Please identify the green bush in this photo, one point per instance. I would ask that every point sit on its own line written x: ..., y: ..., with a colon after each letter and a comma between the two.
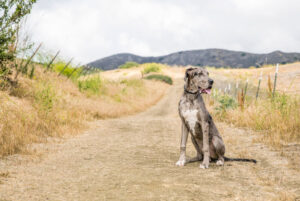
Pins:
x: 226, y: 102
x: 162, y: 78
x: 129, y: 64
x: 91, y: 85
x: 11, y: 14
x: 58, y: 67
x: 45, y: 96
x: 151, y: 67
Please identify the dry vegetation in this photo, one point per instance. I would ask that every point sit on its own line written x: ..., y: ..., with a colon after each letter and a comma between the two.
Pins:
x: 288, y: 76
x: 276, y: 118
x: 48, y: 105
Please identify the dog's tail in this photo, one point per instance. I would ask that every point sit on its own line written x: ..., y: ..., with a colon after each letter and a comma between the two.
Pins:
x: 240, y: 159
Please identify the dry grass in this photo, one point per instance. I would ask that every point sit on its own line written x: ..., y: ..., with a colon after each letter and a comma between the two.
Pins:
x: 49, y: 106
x: 288, y: 76
x: 279, y: 122
x: 276, y: 118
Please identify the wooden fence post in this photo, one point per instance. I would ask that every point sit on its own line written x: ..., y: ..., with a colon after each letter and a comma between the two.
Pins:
x: 88, y: 68
x: 28, y: 61
x: 83, y: 69
x: 52, y: 60
x: 236, y: 89
x: 245, y: 91
x: 34, y: 53
x: 275, y: 80
x: 74, y: 70
x: 65, y: 67
x: 259, y: 81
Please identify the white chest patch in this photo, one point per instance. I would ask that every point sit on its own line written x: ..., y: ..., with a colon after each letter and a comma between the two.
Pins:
x: 190, y: 117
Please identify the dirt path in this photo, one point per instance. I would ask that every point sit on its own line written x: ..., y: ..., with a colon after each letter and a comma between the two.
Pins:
x: 133, y: 158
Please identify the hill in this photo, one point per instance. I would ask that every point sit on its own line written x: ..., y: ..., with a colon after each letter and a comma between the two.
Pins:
x: 206, y: 57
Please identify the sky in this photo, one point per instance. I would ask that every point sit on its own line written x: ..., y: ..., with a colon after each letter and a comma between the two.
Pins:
x: 92, y: 29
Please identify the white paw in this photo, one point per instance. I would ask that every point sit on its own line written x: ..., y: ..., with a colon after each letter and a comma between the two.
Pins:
x: 220, y: 162
x: 204, y: 166
x: 181, y: 162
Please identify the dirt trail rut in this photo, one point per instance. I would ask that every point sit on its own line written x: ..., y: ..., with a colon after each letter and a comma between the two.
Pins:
x: 133, y: 158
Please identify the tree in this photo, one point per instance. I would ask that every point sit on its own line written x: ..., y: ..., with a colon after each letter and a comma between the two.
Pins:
x: 11, y: 14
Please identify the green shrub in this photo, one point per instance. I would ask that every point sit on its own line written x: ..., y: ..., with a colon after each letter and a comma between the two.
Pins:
x: 129, y: 64
x: 11, y: 14
x: 225, y: 102
x: 45, y: 96
x: 58, y: 67
x: 162, y: 78
x: 151, y: 67
x: 91, y: 85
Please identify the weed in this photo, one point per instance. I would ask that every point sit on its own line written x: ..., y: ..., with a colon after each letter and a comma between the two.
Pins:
x: 162, y: 78
x: 226, y: 102
x: 129, y: 64
x: 58, y: 67
x: 45, y: 96
x: 151, y: 67
x: 91, y: 85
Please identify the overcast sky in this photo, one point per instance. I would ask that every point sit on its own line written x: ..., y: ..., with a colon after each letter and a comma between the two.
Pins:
x: 92, y: 29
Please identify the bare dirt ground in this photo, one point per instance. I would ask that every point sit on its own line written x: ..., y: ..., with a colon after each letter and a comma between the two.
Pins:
x: 133, y: 158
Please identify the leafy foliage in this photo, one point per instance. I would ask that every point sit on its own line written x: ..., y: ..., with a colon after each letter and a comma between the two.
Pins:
x: 11, y: 13
x: 91, y: 85
x: 151, y: 67
x: 225, y: 102
x: 162, y: 78
x: 58, y: 67
x: 129, y: 64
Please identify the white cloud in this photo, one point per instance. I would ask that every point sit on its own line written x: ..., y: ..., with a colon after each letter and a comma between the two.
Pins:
x: 91, y: 29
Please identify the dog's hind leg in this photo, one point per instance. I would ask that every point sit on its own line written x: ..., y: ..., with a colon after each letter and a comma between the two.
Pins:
x: 219, y: 149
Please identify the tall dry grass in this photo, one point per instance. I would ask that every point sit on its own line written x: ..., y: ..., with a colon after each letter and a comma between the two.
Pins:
x: 277, y: 119
x: 48, y: 106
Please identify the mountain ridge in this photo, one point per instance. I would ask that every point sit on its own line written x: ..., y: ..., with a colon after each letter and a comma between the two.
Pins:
x: 204, y: 57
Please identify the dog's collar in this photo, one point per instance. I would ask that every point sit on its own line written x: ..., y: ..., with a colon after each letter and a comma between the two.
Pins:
x: 189, y: 92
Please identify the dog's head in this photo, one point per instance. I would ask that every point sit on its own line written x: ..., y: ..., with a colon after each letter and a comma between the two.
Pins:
x: 197, y: 79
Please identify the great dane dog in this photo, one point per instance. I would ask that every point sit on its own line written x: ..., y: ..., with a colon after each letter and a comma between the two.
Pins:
x: 197, y: 121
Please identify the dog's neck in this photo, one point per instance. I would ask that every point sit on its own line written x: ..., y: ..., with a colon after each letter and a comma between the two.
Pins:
x: 191, y: 94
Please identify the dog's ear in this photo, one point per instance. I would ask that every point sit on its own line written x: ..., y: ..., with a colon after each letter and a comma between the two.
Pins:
x: 188, y: 73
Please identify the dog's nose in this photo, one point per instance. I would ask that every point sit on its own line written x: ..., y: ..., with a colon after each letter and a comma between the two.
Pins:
x: 210, y: 81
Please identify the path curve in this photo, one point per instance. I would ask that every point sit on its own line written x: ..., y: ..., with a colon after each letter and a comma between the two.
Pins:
x: 133, y: 158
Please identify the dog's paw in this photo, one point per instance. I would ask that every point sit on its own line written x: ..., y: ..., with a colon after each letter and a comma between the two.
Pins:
x: 220, y: 162
x: 204, y: 166
x: 180, y: 163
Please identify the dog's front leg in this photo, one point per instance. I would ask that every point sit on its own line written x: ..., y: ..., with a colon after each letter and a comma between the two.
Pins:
x: 184, y: 137
x: 206, y: 155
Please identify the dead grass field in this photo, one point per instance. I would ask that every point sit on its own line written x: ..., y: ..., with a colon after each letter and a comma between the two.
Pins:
x: 288, y: 76
x: 133, y: 158
x: 276, y: 119
x: 50, y: 106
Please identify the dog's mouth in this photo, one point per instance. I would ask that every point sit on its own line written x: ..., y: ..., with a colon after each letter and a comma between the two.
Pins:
x: 205, y: 91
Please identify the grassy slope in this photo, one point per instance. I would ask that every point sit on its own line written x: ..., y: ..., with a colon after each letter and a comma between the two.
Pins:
x: 49, y: 105
x: 278, y: 119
